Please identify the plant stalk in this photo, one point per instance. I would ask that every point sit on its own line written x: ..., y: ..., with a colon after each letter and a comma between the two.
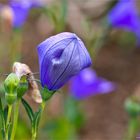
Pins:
x: 15, y: 121
x: 8, y: 121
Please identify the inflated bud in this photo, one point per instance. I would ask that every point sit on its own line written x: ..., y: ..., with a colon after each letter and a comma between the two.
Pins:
x: 61, y: 57
x: 11, y: 84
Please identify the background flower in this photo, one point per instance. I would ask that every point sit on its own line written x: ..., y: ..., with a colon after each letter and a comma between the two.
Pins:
x: 17, y: 11
x: 125, y: 16
x: 20, y: 13
x: 86, y: 84
x: 27, y: 3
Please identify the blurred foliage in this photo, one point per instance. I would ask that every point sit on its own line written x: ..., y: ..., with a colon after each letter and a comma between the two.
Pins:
x: 23, y: 131
x: 57, y: 14
x: 67, y: 125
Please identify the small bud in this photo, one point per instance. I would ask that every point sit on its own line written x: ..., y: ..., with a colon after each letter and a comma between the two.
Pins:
x: 23, y: 87
x: 132, y: 107
x: 10, y: 84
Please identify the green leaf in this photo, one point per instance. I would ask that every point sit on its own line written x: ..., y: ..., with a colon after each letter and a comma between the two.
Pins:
x: 28, y: 110
x: 5, y: 112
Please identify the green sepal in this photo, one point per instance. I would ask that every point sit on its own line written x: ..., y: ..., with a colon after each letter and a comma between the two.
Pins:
x: 28, y: 110
x: 10, y: 97
x: 46, y: 93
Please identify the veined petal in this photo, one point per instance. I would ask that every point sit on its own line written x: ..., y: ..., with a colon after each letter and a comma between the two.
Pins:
x: 60, y: 57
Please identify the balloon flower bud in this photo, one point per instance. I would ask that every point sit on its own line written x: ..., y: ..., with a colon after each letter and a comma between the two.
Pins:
x: 11, y: 84
x: 61, y: 57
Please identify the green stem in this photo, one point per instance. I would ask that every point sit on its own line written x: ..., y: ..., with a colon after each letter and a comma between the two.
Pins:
x: 133, y: 128
x: 35, y: 128
x: 8, y: 121
x: 15, y: 121
x: 33, y: 134
x: 2, y: 118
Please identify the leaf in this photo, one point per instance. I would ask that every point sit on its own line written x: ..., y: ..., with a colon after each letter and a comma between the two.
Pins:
x: 28, y: 110
x: 5, y: 112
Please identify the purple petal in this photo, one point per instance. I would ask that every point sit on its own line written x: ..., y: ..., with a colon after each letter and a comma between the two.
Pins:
x: 87, y: 84
x: 60, y: 57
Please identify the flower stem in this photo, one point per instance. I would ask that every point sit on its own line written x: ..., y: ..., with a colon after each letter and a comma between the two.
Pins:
x: 33, y: 134
x: 133, y: 128
x: 35, y: 129
x: 8, y: 121
x: 2, y: 118
x: 15, y: 121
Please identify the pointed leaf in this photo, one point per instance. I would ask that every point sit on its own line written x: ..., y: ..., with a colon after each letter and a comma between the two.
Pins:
x: 28, y: 110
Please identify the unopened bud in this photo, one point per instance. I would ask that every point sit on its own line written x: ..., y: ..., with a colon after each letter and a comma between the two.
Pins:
x: 23, y: 87
x: 132, y: 107
x: 10, y: 84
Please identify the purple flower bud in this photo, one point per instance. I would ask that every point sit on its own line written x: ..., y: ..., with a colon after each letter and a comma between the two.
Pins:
x: 61, y: 57
x: 125, y: 15
x: 86, y: 84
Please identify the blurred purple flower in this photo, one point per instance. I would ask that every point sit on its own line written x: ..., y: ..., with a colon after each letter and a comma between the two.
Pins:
x: 61, y: 57
x: 28, y: 3
x: 20, y: 9
x: 20, y: 14
x: 125, y: 15
x: 86, y: 84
